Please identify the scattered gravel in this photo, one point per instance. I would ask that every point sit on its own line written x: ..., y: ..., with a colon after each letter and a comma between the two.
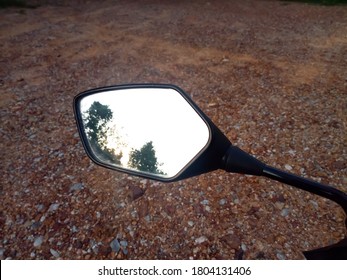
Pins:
x: 271, y: 75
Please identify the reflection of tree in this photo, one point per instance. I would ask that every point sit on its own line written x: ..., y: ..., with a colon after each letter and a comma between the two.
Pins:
x: 145, y: 159
x: 96, y: 119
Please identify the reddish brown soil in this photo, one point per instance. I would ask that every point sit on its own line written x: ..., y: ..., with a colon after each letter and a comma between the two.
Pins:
x: 271, y: 75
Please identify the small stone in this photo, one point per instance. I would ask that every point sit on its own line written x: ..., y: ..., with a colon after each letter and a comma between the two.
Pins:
x: 285, y: 212
x: 279, y: 205
x: 281, y: 256
x: 243, y: 247
x: 288, y: 167
x: 314, y: 204
x: 123, y: 243
x: 190, y: 223
x: 222, y: 201
x: 148, y: 218
x: 200, y: 239
x: 76, y: 187
x: 204, y: 202
x: 38, y: 241
x: 135, y: 192
x: 115, y: 246
x: 54, y: 253
x: 35, y: 225
x: 280, y: 198
x: 53, y: 207
x: 39, y: 207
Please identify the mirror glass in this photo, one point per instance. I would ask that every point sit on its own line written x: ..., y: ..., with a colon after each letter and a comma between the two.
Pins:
x: 153, y: 131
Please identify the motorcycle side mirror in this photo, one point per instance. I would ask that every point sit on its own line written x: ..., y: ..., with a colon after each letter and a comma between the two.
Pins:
x: 154, y: 131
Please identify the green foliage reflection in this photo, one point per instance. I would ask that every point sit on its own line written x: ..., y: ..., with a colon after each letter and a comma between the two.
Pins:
x: 96, y: 120
x: 145, y: 159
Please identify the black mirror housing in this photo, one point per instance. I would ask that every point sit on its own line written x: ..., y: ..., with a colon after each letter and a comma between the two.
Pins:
x: 206, y: 159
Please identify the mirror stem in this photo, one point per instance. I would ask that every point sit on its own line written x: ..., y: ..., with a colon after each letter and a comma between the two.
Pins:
x: 238, y: 161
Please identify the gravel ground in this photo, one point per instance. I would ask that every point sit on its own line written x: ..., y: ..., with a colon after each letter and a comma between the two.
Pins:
x: 272, y: 75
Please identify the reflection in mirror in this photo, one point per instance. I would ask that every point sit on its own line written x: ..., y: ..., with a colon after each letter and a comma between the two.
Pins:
x: 148, y: 130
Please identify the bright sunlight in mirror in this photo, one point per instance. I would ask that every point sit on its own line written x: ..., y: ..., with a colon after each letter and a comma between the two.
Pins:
x: 149, y: 130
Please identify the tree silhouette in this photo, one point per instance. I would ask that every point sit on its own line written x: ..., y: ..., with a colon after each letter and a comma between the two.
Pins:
x: 98, y: 116
x: 145, y: 159
x: 96, y: 119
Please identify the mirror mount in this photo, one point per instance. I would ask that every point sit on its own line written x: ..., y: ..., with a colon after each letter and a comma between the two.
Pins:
x: 237, y: 161
x: 213, y: 157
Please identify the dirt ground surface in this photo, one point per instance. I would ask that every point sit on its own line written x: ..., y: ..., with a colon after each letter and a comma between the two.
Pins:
x: 272, y: 76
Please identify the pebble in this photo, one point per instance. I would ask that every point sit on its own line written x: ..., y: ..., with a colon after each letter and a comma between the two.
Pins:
x: 200, y: 239
x: 38, y: 241
x: 279, y: 205
x: 222, y: 201
x: 76, y: 187
x: 281, y: 256
x: 53, y: 207
x: 115, y: 246
x: 39, y: 207
x: 135, y: 192
x: 288, y: 167
x: 43, y: 218
x: 314, y: 204
x: 190, y: 223
x: 204, y: 202
x: 285, y: 212
x: 35, y: 225
x: 54, y: 253
x: 148, y: 218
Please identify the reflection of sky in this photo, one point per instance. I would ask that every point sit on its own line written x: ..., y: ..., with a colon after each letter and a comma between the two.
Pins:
x: 159, y: 115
